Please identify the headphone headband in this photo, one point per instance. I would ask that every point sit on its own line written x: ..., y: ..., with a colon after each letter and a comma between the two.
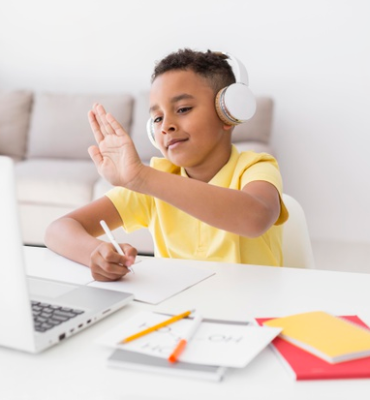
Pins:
x: 238, y: 68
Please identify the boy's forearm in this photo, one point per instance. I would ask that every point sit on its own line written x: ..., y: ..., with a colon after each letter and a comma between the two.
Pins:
x: 228, y: 209
x: 67, y: 237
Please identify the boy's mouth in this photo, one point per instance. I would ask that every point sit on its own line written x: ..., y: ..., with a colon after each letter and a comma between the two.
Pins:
x: 174, y: 143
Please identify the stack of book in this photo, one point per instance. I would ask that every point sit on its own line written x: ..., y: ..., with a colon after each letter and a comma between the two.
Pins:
x: 185, y: 344
x: 317, y: 345
x: 144, y: 362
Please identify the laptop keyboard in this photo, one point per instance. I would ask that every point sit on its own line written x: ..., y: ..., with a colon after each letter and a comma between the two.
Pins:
x: 46, y: 316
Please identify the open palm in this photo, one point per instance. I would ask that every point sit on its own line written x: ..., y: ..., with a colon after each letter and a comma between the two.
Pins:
x: 115, y: 156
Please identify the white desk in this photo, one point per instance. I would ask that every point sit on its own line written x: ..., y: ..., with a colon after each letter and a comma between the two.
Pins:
x: 76, y: 369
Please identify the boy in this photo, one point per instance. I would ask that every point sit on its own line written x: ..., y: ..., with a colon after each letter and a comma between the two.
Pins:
x: 203, y: 200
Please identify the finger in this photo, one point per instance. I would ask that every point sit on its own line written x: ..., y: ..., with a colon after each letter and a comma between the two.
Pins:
x: 117, y: 128
x: 102, y: 278
x: 112, y: 271
x: 95, y: 155
x: 98, y: 116
x: 101, y: 273
x: 110, y: 255
x: 113, y: 257
x: 102, y: 114
x: 130, y: 253
x: 95, y: 127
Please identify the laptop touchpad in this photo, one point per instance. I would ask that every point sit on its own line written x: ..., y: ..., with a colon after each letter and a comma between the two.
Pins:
x: 50, y: 289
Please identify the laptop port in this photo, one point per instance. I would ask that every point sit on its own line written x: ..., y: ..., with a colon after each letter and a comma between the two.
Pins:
x: 105, y: 311
x: 62, y: 336
x: 81, y: 325
x: 88, y: 321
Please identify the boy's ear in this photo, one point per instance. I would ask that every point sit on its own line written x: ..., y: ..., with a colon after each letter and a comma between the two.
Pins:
x: 227, y: 127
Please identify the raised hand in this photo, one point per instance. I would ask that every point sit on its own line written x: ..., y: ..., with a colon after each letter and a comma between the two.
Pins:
x: 115, y: 156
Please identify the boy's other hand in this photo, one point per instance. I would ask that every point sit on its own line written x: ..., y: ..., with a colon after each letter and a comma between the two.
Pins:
x: 115, y: 155
x: 107, y: 265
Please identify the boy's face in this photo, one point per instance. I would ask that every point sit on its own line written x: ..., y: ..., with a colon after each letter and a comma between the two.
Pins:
x: 187, y: 128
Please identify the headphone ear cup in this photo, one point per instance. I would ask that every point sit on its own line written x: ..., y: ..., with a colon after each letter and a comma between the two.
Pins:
x: 150, y: 132
x: 235, y: 104
x: 220, y: 111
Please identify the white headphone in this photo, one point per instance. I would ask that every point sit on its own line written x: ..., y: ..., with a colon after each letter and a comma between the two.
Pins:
x: 235, y: 104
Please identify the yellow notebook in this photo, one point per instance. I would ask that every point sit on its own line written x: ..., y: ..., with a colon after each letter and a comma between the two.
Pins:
x: 331, y: 338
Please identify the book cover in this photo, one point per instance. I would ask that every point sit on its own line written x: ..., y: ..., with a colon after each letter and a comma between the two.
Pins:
x: 143, y: 362
x: 332, y: 338
x: 305, y: 366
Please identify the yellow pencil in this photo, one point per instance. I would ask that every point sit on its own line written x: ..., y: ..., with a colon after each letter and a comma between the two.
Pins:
x: 155, y: 327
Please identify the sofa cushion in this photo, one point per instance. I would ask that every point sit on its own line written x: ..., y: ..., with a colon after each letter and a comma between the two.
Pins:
x: 62, y: 183
x: 14, y: 122
x: 258, y: 128
x: 59, y: 124
x: 101, y: 187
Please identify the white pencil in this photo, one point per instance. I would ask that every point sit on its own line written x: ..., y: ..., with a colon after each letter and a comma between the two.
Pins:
x: 111, y: 238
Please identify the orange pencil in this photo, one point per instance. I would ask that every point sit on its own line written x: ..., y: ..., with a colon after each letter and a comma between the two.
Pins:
x: 174, y: 356
x: 157, y: 326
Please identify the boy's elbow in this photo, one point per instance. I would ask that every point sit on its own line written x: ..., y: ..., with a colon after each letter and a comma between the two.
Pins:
x: 261, y: 223
x: 257, y: 229
x: 52, y: 234
x: 49, y: 234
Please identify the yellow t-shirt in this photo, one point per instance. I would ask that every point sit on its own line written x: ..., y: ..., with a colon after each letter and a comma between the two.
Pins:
x: 179, y: 235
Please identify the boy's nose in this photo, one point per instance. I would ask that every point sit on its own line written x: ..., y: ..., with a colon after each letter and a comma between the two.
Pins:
x: 168, y: 126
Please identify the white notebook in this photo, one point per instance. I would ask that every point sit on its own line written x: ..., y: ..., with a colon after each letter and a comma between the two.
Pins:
x: 154, y: 279
x: 143, y: 362
x: 157, y: 279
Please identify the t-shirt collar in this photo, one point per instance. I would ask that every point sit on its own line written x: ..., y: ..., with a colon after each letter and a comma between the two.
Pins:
x: 225, y: 172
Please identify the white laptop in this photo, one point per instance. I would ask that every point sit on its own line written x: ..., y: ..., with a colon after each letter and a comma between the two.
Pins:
x: 37, y: 313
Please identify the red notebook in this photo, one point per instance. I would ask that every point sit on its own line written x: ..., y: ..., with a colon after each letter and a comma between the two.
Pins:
x: 305, y: 366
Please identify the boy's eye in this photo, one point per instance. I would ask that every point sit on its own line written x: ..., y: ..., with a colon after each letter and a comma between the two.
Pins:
x: 156, y: 120
x: 184, y: 110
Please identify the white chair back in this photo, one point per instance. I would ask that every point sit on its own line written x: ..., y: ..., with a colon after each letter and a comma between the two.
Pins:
x: 297, y: 249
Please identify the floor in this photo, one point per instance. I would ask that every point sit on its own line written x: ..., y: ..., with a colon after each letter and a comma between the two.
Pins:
x: 337, y: 256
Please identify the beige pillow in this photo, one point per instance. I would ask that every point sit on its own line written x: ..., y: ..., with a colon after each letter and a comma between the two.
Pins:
x: 60, y: 127
x: 15, y: 110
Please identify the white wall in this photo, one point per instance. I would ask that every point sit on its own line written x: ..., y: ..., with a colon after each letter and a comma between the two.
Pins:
x: 311, y: 56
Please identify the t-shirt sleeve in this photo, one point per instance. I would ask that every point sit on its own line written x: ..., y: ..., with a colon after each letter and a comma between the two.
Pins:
x: 266, y: 169
x: 135, y: 209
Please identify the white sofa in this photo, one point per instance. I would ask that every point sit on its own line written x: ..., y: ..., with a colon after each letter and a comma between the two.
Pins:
x: 48, y: 135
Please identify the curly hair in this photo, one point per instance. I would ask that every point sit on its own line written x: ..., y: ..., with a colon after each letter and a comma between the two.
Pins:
x: 212, y: 66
